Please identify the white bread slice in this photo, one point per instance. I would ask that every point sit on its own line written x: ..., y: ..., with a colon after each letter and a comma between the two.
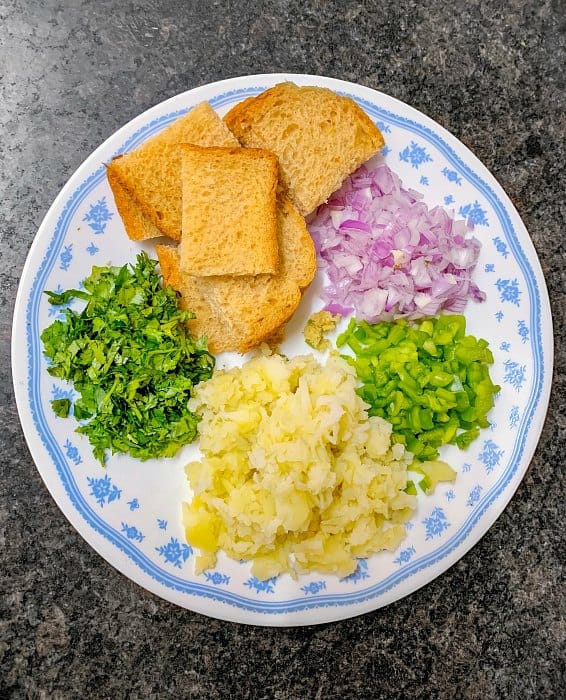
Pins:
x: 229, y: 211
x: 146, y: 182
x: 239, y: 313
x: 319, y: 137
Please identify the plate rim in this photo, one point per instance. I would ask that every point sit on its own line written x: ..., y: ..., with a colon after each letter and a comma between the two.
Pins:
x: 530, y: 255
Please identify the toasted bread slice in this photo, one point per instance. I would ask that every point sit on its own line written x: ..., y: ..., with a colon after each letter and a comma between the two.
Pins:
x: 241, y: 312
x: 146, y: 182
x: 229, y: 211
x: 319, y: 137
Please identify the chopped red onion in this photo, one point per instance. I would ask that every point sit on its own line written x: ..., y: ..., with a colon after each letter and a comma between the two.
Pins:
x: 387, y: 254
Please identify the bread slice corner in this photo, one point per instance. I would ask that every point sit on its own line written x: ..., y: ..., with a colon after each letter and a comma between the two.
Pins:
x: 138, y: 226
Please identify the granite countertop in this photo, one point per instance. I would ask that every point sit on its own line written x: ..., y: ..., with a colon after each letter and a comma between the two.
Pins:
x: 71, y: 73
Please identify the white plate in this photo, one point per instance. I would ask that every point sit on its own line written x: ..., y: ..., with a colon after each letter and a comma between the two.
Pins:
x: 130, y: 512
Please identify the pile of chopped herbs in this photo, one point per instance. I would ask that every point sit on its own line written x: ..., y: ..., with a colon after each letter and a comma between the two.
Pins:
x: 130, y: 359
x: 428, y: 379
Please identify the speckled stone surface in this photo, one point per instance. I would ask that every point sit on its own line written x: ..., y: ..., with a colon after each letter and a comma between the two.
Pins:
x: 71, y: 73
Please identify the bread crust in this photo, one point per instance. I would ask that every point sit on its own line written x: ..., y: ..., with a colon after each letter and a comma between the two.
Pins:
x: 137, y: 225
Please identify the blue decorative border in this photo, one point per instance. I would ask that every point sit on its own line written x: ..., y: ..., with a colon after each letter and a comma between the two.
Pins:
x: 118, y: 539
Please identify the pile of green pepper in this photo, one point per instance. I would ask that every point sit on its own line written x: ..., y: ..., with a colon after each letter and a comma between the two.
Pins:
x: 427, y: 378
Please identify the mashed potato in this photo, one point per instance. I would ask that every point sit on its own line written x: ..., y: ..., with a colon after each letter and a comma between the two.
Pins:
x: 294, y: 475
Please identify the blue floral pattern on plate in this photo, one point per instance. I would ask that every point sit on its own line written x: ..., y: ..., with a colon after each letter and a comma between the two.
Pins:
x: 175, y: 552
x: 98, y: 216
x: 134, y: 516
x: 103, y: 490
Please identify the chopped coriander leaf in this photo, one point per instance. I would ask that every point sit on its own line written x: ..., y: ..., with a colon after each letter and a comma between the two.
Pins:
x: 61, y: 407
x: 131, y: 359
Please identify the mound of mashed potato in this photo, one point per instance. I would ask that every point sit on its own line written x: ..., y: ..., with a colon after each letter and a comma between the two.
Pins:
x: 295, y: 476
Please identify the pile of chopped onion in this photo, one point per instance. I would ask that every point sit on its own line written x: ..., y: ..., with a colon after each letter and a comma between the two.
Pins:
x: 387, y: 254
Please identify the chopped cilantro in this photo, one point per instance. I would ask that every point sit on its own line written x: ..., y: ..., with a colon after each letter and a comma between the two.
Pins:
x: 61, y: 407
x: 131, y: 360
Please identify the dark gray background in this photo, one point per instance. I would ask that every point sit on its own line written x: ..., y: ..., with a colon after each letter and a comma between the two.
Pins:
x: 71, y: 73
